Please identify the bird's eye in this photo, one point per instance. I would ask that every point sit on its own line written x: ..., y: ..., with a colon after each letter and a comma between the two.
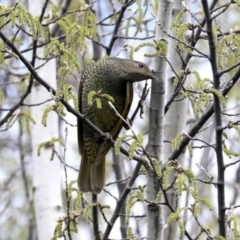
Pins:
x: 141, y: 65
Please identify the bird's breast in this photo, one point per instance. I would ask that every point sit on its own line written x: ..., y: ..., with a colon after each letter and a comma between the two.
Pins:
x: 104, y: 118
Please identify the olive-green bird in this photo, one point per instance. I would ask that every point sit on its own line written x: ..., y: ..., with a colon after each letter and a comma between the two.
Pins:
x: 112, y: 76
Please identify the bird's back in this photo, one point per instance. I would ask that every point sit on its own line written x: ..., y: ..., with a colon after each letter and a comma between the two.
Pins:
x: 108, y: 77
x: 100, y: 78
x: 104, y: 118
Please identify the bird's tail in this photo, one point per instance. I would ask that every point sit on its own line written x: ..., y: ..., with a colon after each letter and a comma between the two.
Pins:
x: 84, y: 174
x: 97, y: 176
x: 91, y: 176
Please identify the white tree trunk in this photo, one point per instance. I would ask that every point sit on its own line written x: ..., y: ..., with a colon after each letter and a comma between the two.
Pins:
x: 175, y: 120
x: 155, y: 215
x: 47, y: 185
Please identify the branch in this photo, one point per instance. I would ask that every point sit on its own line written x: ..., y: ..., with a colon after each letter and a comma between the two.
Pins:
x: 28, y: 91
x: 228, y: 69
x: 120, y: 202
x: 38, y: 46
x: 16, y: 106
x: 201, y: 121
x: 197, y: 36
x: 231, y: 164
x: 225, y: 7
x: 55, y: 30
x: 66, y: 14
x: 95, y: 218
x: 26, y: 188
x: 117, y: 25
x: 69, y: 108
x: 218, y: 121
x: 68, y: 198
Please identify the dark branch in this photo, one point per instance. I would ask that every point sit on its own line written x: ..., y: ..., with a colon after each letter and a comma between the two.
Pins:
x: 218, y: 121
x: 117, y: 25
x: 120, y: 202
x: 69, y: 108
x: 95, y: 218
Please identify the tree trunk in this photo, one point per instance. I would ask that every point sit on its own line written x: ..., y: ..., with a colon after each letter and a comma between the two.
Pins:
x: 175, y: 120
x: 155, y: 216
x: 47, y: 185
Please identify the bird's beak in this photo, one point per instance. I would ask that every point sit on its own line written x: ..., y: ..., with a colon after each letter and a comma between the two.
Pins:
x: 152, y: 76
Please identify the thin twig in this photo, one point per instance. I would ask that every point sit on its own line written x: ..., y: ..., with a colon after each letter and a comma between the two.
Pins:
x: 68, y: 218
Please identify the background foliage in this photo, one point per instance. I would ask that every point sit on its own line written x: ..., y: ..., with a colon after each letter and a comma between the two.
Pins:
x: 204, y: 161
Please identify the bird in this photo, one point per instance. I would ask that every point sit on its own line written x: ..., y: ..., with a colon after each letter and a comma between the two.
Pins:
x: 114, y: 77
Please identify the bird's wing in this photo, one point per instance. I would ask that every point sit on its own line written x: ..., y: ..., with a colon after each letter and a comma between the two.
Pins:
x: 105, y: 146
x: 79, y: 123
x: 129, y: 97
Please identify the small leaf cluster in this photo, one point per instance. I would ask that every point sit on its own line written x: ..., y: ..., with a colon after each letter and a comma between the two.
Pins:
x: 24, y: 119
x: 28, y: 119
x: 234, y: 222
x: 137, y: 19
x: 229, y: 152
x: 190, y: 150
x: 181, y: 29
x: 237, y: 128
x: 67, y: 57
x: 2, y: 97
x: 75, y: 32
x: 202, y: 95
x: 137, y: 142
x: 176, y: 141
x: 76, y: 202
x: 161, y: 48
x: 60, y: 228
x: 154, y: 6
x: 96, y: 97
x: 185, y: 180
x: 137, y: 196
x: 130, y: 233
x: 55, y: 10
x: 88, y: 210
x: 58, y: 107
x: 45, y: 114
x: 3, y: 51
x: 176, y: 216
x: 228, y: 49
x: 74, y: 213
x: 66, y: 94
x: 19, y: 14
x: 49, y: 144
x: 218, y: 94
x: 157, y: 167
x: 58, y: 232
x: 218, y: 237
x: 180, y: 75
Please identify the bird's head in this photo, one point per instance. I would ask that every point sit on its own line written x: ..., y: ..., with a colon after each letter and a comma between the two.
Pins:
x: 132, y: 71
